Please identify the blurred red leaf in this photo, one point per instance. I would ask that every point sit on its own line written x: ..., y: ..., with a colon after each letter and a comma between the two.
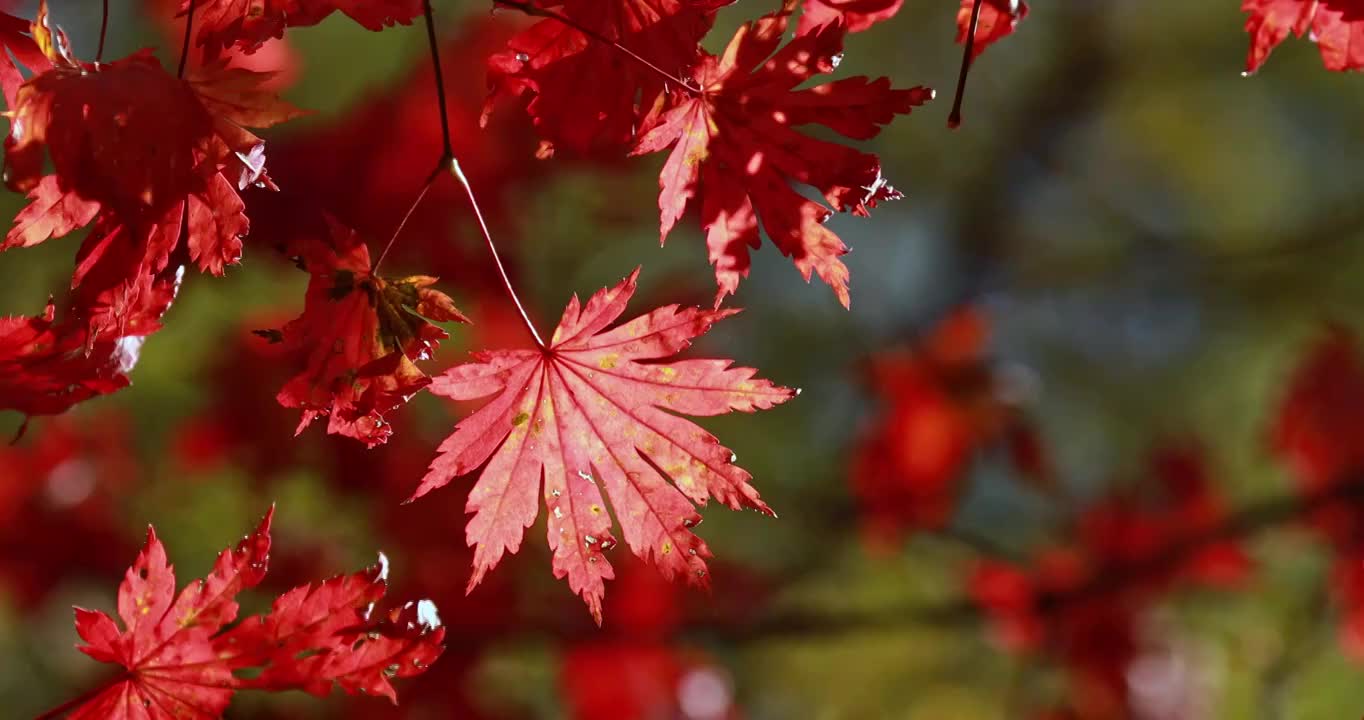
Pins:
x: 734, y: 147
x: 59, y: 516
x: 248, y: 24
x: 943, y: 403
x: 1081, y: 603
x: 595, y: 409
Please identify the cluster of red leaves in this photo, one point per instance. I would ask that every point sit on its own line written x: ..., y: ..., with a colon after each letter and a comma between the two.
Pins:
x: 1320, y: 434
x: 1081, y: 604
x: 943, y: 404
x: 1336, y: 26
x: 153, y: 164
x: 730, y: 120
x: 181, y: 662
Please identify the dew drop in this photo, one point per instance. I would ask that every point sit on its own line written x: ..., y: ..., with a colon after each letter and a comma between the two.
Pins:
x: 391, y: 671
x: 836, y: 59
x: 522, y: 57
x: 607, y: 544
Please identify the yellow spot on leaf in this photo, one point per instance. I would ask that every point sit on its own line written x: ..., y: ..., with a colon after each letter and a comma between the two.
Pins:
x: 608, y: 361
x: 667, y: 548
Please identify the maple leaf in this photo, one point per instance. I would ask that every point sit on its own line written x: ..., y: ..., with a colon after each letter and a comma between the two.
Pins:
x: 248, y: 24
x: 594, y: 411
x: 855, y: 15
x: 141, y: 153
x: 735, y: 149
x: 998, y: 19
x: 1337, y: 26
x: 144, y: 157
x: 584, y: 93
x: 360, y: 335
x: 180, y: 664
x: 47, y: 366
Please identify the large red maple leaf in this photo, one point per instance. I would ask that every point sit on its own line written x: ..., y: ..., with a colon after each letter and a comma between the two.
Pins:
x: 180, y: 664
x: 593, y: 411
x: 736, y: 150
x: 247, y: 24
x: 1337, y: 26
x: 584, y: 93
x: 359, y: 336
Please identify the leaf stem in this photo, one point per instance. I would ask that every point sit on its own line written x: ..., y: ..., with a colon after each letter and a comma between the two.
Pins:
x: 103, y: 30
x: 450, y: 163
x: 189, y: 33
x: 954, y: 117
x: 535, y: 11
x: 408, y: 215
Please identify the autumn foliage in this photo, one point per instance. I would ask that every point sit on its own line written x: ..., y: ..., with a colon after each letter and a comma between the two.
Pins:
x: 158, y: 162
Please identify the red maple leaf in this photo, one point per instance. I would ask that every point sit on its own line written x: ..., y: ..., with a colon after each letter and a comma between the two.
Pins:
x: 1337, y: 26
x: 736, y: 150
x: 48, y: 366
x: 594, y: 411
x: 855, y: 15
x: 180, y: 664
x: 247, y: 24
x: 584, y: 93
x: 998, y: 19
x: 360, y: 335
x: 144, y: 156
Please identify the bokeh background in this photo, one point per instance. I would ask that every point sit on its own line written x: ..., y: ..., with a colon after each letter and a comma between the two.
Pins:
x: 1137, y: 246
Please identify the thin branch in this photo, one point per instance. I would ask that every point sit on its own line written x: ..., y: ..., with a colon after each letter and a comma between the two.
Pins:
x: 407, y: 216
x: 450, y: 163
x: 954, y: 117
x: 440, y: 80
x: 535, y: 11
x: 103, y: 30
x: 189, y: 33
